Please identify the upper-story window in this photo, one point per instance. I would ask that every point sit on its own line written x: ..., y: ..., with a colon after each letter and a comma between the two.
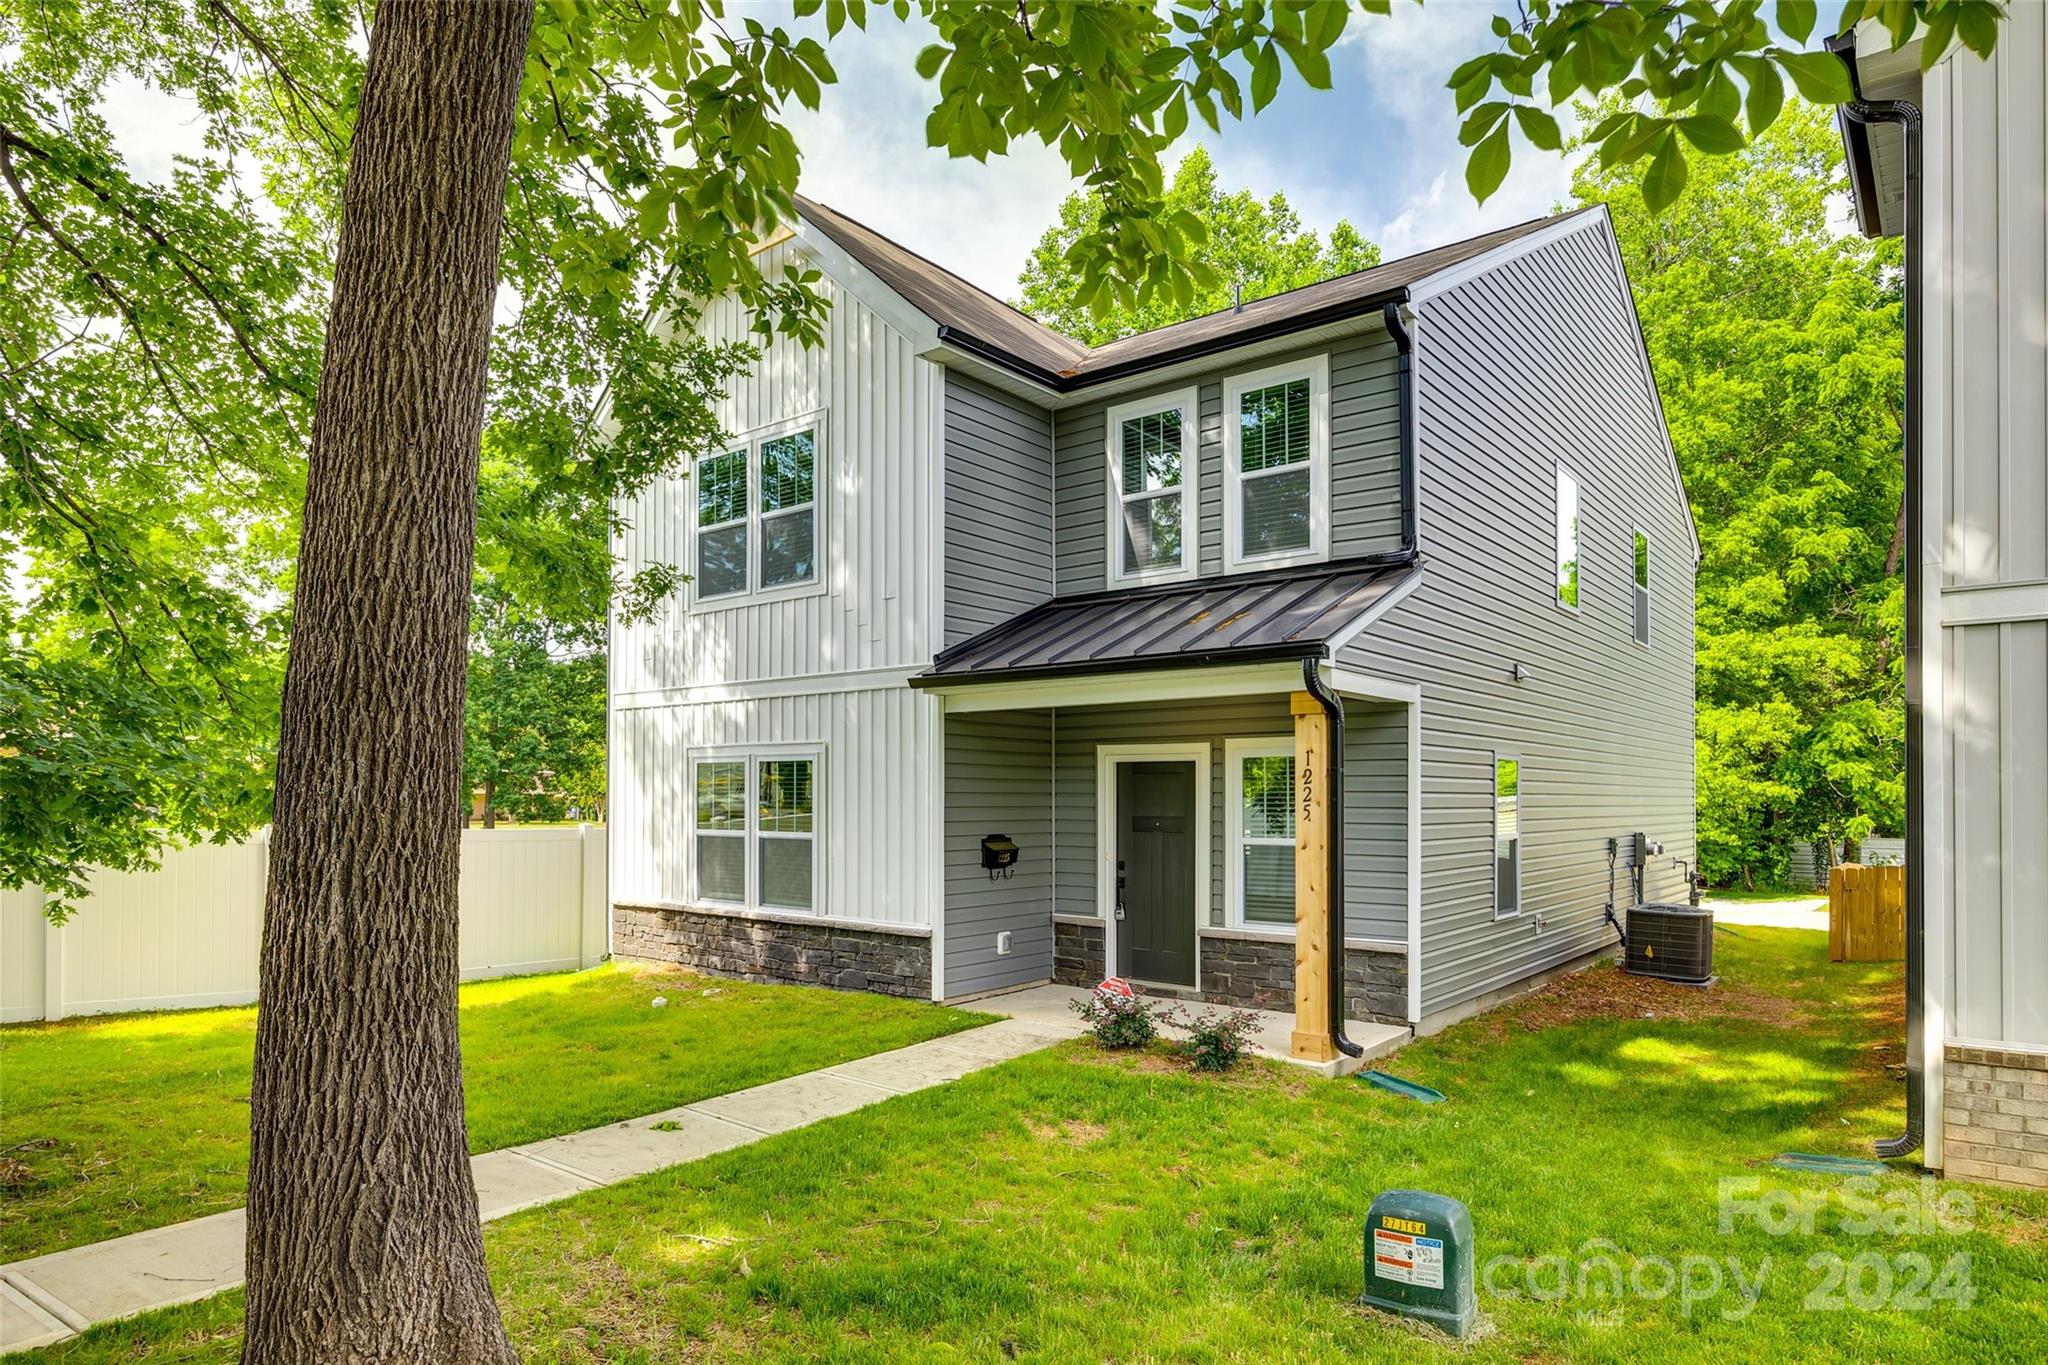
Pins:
x: 1276, y: 441
x: 1567, y: 539
x: 757, y: 514
x: 1151, y: 488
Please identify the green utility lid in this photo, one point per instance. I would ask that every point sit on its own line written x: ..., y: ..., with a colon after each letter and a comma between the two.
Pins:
x: 1418, y: 1259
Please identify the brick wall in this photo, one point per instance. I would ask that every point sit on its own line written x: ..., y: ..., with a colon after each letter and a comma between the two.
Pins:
x: 1995, y: 1116
x: 799, y: 952
x: 1251, y: 973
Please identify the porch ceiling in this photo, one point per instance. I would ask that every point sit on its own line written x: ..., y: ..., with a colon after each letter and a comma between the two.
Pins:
x: 1292, y: 614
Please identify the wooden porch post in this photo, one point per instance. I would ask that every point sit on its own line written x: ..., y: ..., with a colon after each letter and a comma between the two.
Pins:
x: 1312, y: 948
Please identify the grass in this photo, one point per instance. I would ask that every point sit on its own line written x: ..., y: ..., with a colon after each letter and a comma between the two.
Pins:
x: 115, y: 1124
x: 1079, y: 1206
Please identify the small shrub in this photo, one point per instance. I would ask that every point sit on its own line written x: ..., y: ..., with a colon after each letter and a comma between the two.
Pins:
x: 1216, y: 1040
x: 1118, y: 1016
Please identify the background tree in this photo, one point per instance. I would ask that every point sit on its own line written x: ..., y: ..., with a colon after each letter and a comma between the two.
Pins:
x: 533, y: 717
x: 1777, y: 342
x: 1257, y: 244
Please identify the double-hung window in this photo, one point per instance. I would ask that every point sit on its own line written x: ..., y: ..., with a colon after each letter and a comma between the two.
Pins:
x: 755, y: 830
x: 1151, y: 488
x: 1507, y: 835
x: 1567, y: 539
x: 757, y: 514
x: 1259, y: 890
x: 1276, y: 438
x: 1642, y: 593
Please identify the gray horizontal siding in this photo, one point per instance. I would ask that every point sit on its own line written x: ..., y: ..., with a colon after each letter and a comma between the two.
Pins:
x: 1534, y: 361
x: 1375, y: 791
x: 998, y: 506
x: 1365, y: 486
x: 998, y: 781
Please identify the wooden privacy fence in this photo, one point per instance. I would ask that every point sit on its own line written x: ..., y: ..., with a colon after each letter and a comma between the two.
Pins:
x: 1866, y: 913
x: 186, y: 933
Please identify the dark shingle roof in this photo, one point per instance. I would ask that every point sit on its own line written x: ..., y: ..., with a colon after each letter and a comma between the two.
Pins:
x: 1287, y: 614
x: 985, y: 324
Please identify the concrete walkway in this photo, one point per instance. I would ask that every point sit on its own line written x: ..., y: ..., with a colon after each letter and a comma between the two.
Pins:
x: 49, y: 1298
x: 1786, y: 914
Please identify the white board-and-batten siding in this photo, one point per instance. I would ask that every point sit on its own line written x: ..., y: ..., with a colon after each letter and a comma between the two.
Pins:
x: 820, y: 669
x: 1985, y: 537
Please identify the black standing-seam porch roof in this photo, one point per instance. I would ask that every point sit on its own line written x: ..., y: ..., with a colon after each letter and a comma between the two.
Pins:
x: 1284, y: 614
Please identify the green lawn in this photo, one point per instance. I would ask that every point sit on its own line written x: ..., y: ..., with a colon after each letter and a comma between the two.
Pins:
x: 1072, y: 1206
x: 1763, y: 895
x: 115, y: 1124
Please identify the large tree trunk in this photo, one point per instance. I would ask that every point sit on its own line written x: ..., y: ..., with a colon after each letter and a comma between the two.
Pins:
x: 363, y: 1238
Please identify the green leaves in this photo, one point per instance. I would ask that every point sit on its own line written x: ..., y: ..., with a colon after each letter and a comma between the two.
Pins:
x: 1819, y: 76
x: 1665, y: 180
x: 1677, y: 62
x: 1488, y: 164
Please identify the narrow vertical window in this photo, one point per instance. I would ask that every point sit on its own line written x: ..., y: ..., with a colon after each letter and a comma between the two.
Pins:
x: 787, y: 832
x: 722, y: 524
x: 1151, y: 464
x: 1642, y: 593
x: 721, y: 829
x: 1276, y: 480
x: 1507, y: 835
x: 789, y: 509
x: 1567, y: 539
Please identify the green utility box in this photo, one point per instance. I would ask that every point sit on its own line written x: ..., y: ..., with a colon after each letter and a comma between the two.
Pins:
x: 1418, y: 1259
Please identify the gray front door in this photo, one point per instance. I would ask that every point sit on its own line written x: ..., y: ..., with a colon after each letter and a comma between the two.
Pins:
x: 1155, y: 821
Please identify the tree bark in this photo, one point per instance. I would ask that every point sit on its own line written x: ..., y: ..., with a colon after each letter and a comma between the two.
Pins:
x: 363, y: 1242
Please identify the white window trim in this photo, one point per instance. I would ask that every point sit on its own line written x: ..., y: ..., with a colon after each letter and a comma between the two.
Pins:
x: 1315, y: 369
x: 753, y: 755
x: 1235, y: 752
x: 1493, y: 829
x: 1564, y: 471
x: 1649, y: 615
x: 751, y: 442
x: 1187, y: 401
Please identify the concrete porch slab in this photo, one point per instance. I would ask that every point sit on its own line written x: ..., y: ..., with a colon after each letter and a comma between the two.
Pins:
x: 1047, y: 1007
x: 620, y: 1151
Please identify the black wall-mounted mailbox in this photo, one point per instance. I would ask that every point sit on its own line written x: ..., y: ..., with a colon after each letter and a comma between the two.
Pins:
x: 998, y: 855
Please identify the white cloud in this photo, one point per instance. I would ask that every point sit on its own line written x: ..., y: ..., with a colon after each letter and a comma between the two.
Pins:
x: 864, y: 153
x: 1406, y: 57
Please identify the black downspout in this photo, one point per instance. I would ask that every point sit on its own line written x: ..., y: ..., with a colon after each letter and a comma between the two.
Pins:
x: 1907, y: 117
x: 1333, y: 707
x: 1404, y: 367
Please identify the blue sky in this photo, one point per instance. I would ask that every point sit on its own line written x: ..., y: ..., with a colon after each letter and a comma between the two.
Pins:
x: 1380, y: 149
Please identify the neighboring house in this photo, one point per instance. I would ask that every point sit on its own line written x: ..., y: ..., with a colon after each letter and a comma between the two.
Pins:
x: 1977, y: 797
x: 960, y: 578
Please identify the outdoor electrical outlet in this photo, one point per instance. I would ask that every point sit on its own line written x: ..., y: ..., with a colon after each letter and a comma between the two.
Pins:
x: 1003, y: 943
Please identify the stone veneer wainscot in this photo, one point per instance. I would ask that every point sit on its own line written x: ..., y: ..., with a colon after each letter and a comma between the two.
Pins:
x: 793, y: 949
x: 1995, y: 1115
x: 1251, y: 972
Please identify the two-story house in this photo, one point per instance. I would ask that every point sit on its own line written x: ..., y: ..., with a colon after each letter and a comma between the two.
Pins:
x: 960, y: 582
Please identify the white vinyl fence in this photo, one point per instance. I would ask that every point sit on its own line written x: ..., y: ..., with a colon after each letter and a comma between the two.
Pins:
x: 187, y: 934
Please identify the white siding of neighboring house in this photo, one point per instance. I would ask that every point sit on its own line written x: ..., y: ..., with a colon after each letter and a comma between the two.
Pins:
x: 823, y: 669
x: 1985, y: 537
